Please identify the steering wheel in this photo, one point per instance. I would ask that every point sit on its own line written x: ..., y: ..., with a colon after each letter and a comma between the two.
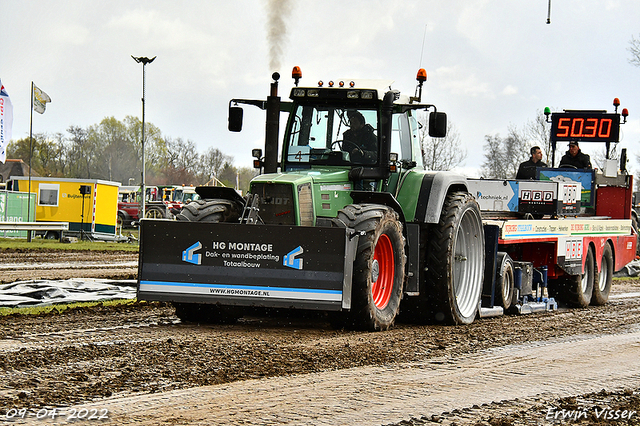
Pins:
x: 351, y: 146
x: 337, y: 143
x: 567, y: 166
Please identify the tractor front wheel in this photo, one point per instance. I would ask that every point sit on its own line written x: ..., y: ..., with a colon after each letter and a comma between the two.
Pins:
x: 378, y: 269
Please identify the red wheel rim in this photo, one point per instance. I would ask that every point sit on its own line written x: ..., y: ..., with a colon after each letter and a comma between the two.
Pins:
x: 382, y: 288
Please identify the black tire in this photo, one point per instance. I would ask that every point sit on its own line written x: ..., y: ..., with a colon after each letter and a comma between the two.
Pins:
x: 504, y: 281
x: 154, y: 213
x: 455, y: 262
x: 209, y: 314
x: 124, y: 221
x: 378, y: 269
x: 634, y: 225
x: 603, y: 278
x: 576, y: 290
x: 52, y: 235
x: 210, y: 210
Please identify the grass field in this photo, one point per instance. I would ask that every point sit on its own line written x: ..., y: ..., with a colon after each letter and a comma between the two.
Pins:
x: 38, y: 243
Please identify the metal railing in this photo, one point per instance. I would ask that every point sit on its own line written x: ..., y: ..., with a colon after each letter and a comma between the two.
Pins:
x: 34, y: 226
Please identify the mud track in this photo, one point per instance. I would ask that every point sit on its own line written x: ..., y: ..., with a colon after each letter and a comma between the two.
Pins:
x: 140, y: 357
x: 18, y: 265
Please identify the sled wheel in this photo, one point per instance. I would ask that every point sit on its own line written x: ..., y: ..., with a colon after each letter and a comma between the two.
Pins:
x: 455, y: 261
x: 576, y: 290
x: 504, y: 281
x: 378, y: 269
x: 603, y: 278
x: 210, y: 210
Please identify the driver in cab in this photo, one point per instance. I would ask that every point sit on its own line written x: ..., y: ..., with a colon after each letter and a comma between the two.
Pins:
x: 359, y: 140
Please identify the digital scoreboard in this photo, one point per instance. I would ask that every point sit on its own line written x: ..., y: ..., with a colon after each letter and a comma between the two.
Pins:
x: 585, y: 126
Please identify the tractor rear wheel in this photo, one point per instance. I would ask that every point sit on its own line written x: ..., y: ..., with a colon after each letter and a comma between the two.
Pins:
x: 378, y: 269
x: 455, y: 262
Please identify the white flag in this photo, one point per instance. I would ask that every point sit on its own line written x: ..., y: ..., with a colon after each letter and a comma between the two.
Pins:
x: 40, y: 100
x: 6, y: 120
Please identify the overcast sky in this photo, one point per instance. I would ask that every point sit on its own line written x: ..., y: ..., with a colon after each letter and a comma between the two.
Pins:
x: 490, y: 63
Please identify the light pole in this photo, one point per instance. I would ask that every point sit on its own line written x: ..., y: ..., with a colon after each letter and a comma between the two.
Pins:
x: 144, y: 62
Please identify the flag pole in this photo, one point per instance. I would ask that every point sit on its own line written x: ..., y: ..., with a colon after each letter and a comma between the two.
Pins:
x: 30, y: 155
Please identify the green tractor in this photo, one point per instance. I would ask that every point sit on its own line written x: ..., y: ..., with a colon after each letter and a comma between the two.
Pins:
x: 347, y: 220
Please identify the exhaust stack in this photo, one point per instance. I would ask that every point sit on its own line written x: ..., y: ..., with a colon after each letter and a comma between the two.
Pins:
x: 272, y: 129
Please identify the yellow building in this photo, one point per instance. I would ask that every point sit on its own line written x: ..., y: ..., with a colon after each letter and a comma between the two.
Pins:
x: 89, y: 205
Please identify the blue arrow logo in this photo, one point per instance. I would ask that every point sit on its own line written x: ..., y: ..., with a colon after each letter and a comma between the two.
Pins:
x: 189, y: 256
x: 290, y: 258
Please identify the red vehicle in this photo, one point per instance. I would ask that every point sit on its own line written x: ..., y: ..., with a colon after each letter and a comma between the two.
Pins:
x: 129, y: 205
x: 161, y: 202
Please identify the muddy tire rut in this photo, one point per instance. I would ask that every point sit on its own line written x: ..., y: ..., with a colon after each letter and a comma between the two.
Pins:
x: 101, y: 354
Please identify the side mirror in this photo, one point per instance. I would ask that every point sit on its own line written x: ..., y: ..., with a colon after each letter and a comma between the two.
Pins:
x: 235, y: 119
x: 438, y: 124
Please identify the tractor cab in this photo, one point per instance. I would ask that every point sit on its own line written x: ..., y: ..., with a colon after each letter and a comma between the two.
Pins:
x: 358, y: 125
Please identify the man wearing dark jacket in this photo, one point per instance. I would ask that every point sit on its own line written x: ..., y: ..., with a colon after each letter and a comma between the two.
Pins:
x: 360, y: 139
x: 527, y: 170
x: 575, y: 157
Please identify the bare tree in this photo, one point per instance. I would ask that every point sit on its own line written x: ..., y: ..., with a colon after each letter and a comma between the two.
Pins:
x: 441, y: 153
x: 538, y: 131
x: 634, y: 49
x: 504, y: 155
x: 493, y: 165
x: 182, y: 161
x: 212, y: 162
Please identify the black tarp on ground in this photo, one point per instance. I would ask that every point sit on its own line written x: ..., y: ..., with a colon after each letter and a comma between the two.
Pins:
x: 631, y: 269
x: 49, y: 292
